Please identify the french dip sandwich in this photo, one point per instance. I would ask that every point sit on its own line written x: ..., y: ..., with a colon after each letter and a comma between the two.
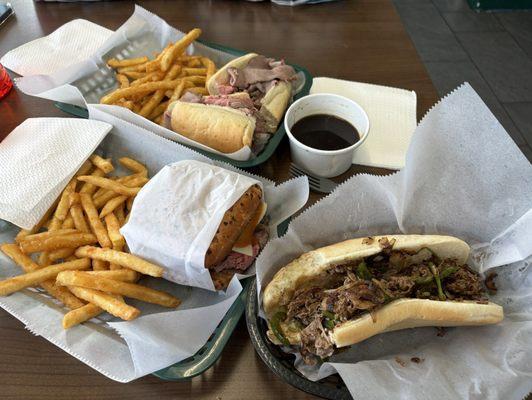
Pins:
x: 344, y: 293
x: 246, y: 102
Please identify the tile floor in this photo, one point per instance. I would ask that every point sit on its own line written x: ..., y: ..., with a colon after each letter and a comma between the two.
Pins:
x: 490, y: 50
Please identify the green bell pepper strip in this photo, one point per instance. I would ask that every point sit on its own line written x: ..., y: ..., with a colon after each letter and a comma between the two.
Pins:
x: 363, y: 271
x: 448, y: 272
x: 275, y: 324
x: 424, y: 281
x: 329, y: 315
x: 436, y: 274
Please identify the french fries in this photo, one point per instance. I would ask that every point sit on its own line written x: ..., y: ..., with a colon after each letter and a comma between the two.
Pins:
x: 28, y: 265
x: 147, y: 86
x: 107, y: 302
x: 69, y: 241
x: 124, y: 259
x: 90, y: 210
x: 38, y: 276
x: 72, y: 278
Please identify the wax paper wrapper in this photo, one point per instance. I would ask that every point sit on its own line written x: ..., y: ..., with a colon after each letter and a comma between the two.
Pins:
x: 89, y: 79
x: 176, y: 215
x: 464, y: 177
x: 160, y: 337
x: 52, y: 149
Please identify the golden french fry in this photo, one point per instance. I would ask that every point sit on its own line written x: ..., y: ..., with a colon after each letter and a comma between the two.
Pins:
x: 110, y: 185
x: 120, y: 215
x: 143, y: 88
x: 134, y: 74
x: 211, y: 68
x: 104, y: 164
x: 126, y: 104
x: 68, y: 223
x: 114, y: 63
x: 133, y: 165
x: 99, y: 265
x: 195, y: 79
x: 199, y: 90
x: 129, y: 203
x: 150, y: 77
x: 124, y: 259
x: 159, y: 94
x: 88, y: 187
x: 94, y: 221
x: 33, y: 278
x: 112, y: 204
x: 195, y: 71
x: 28, y: 265
x: 122, y: 80
x: 79, y: 219
x: 69, y: 241
x: 161, y: 108
x: 107, y: 302
x: 113, y: 229
x: 80, y: 315
x: 132, y: 290
x: 124, y: 275
x: 48, y: 234
x: 178, y: 92
x: 61, y: 254
x: 177, y: 48
x: 62, y: 209
x: 84, y: 169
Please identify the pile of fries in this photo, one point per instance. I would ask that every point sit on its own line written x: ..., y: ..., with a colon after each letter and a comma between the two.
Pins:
x: 81, y: 259
x: 147, y: 87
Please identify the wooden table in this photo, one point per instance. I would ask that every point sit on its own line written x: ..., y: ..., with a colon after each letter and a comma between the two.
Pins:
x: 362, y: 40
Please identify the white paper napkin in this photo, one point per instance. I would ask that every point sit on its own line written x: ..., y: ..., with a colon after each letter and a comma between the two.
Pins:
x: 392, y: 119
x: 465, y: 177
x: 67, y: 45
x: 38, y: 159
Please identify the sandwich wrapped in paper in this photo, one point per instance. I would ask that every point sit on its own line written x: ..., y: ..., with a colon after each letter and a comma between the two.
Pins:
x: 203, y: 223
x: 246, y: 102
x: 342, y: 294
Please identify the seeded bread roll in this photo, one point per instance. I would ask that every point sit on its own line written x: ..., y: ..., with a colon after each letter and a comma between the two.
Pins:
x: 233, y: 222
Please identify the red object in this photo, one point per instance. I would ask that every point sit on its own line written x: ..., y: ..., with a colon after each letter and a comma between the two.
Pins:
x: 5, y: 82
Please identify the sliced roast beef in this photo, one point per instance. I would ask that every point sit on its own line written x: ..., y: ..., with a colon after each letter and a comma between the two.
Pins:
x: 243, y: 78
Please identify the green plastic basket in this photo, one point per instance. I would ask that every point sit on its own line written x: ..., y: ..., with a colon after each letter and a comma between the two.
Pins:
x: 270, y: 147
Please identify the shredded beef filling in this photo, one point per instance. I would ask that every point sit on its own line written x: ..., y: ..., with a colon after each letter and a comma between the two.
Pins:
x: 355, y: 289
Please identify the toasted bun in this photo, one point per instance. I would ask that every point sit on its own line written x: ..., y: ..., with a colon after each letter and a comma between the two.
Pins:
x: 312, y: 265
x: 233, y: 222
x: 274, y: 104
x: 221, y: 128
x: 221, y: 76
x: 414, y: 313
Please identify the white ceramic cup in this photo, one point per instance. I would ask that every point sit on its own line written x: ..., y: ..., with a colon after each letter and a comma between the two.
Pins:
x: 325, y: 163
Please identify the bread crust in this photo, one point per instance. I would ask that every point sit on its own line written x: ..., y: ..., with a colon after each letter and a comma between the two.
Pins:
x: 221, y: 128
x: 230, y: 228
x: 414, y: 313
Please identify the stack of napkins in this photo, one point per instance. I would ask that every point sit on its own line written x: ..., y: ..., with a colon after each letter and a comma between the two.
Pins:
x: 38, y: 159
x: 392, y: 119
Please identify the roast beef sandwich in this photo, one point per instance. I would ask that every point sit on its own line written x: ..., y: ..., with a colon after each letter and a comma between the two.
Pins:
x: 344, y: 293
x: 246, y: 102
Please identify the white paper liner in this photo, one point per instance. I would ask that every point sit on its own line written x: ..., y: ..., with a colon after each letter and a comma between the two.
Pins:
x: 464, y: 176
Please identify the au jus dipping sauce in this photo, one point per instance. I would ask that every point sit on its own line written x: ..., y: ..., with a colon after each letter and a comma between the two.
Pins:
x: 325, y: 132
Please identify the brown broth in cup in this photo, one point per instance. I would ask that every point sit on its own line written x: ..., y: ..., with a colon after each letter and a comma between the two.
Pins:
x: 325, y: 132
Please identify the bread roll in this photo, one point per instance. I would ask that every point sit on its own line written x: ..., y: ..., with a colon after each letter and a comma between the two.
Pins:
x: 221, y: 128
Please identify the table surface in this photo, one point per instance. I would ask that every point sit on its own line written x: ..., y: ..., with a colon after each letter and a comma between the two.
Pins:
x: 362, y: 40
